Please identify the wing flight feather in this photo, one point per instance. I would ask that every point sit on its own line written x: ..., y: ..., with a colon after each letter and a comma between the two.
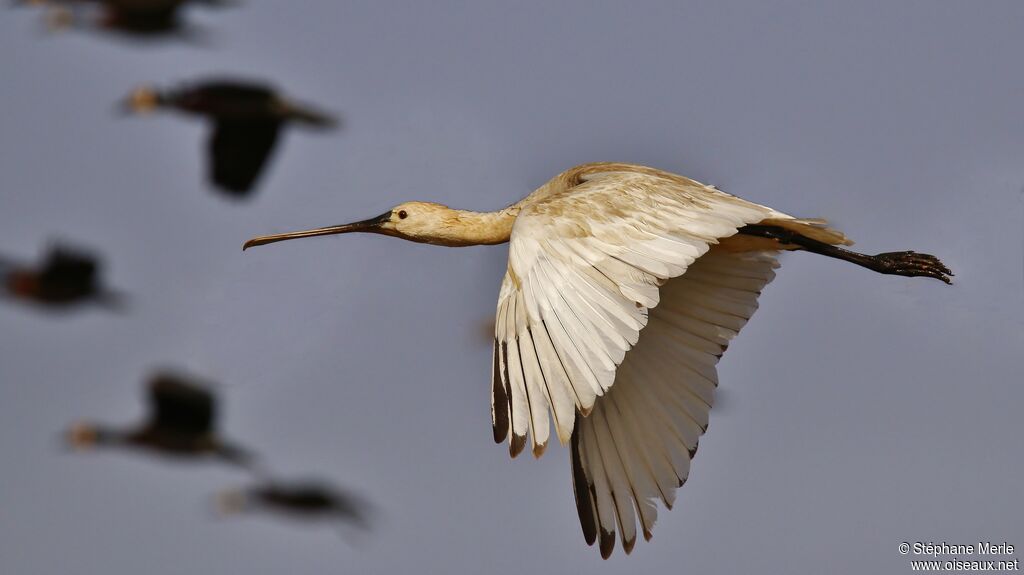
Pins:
x: 658, y: 408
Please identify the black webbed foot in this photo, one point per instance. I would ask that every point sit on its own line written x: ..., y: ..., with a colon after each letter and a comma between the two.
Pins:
x: 911, y: 264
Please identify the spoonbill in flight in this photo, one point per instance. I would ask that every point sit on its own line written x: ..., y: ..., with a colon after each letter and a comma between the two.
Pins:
x: 596, y: 255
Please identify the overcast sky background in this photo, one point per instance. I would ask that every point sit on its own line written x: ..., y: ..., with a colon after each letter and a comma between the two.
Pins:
x: 859, y: 411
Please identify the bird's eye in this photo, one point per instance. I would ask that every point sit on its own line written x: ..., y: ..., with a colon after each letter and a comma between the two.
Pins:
x: 402, y: 214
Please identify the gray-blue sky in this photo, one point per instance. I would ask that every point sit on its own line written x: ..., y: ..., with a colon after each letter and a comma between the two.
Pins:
x: 862, y: 410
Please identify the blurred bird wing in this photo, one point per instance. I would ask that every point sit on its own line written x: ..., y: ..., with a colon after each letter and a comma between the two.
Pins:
x: 635, y: 446
x: 67, y: 275
x: 238, y: 152
x: 181, y: 406
x: 585, y: 264
x: 145, y: 5
x: 69, y: 265
x: 144, y: 17
x: 155, y: 8
x: 224, y: 90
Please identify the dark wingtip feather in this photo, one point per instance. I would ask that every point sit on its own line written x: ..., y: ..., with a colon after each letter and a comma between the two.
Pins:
x: 538, y: 449
x: 499, y: 401
x: 607, y: 543
x: 582, y: 490
x: 627, y: 544
x: 516, y: 444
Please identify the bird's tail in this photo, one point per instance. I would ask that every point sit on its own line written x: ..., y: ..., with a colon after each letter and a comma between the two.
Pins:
x: 814, y: 228
x: 240, y: 456
x: 219, y: 3
x: 308, y: 116
x: 111, y: 300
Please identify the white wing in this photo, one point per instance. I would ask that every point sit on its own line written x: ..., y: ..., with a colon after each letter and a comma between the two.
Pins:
x: 636, y: 445
x: 585, y: 264
x: 588, y: 253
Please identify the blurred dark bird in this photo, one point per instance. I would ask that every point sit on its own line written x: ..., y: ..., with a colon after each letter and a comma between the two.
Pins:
x: 139, y: 18
x: 182, y: 423
x: 247, y: 117
x: 41, y: 3
x: 306, y: 500
x: 67, y: 277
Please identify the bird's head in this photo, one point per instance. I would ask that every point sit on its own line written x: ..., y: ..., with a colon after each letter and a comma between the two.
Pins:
x: 422, y: 222
x: 142, y: 100
x: 58, y: 18
x: 232, y: 502
x: 83, y: 436
x: 21, y: 283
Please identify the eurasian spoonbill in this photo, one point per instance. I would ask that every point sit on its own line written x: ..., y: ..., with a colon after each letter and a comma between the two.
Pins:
x: 596, y: 255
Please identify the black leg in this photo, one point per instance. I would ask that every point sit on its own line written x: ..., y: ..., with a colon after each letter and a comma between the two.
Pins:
x: 910, y: 264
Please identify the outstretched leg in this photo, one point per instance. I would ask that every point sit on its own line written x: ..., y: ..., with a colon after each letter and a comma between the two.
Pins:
x: 907, y: 263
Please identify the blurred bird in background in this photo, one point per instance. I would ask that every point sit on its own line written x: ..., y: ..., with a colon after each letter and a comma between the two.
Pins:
x: 133, y: 18
x: 247, y: 119
x: 300, y: 500
x: 182, y: 424
x: 67, y: 277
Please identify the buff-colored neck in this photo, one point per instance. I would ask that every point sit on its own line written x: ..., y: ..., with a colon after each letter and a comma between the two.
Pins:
x: 465, y: 228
